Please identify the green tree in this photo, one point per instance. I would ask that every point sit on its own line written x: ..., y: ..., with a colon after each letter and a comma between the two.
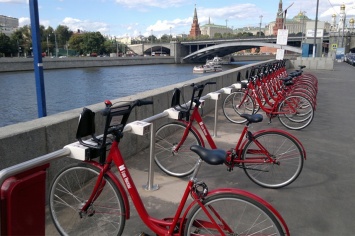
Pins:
x: 63, y: 35
x: 152, y: 38
x: 22, y: 38
x: 5, y: 45
x: 165, y: 38
x: 76, y: 43
x: 93, y: 43
x: 218, y: 36
x: 109, y: 46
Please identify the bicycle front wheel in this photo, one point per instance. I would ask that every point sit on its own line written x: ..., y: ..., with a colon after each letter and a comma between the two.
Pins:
x: 174, y: 162
x: 235, y: 215
x: 295, y: 112
x: 235, y: 104
x: 71, y: 189
x: 283, y: 149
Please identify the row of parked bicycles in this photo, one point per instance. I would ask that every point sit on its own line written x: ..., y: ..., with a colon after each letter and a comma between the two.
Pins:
x: 88, y: 198
x: 292, y: 98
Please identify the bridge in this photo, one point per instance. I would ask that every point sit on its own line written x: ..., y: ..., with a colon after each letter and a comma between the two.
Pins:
x: 200, y: 50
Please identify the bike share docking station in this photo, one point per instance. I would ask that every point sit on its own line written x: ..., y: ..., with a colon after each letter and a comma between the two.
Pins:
x: 23, y: 202
x: 80, y: 152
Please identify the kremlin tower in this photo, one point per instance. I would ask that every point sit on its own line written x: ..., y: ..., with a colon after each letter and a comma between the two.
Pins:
x: 279, y: 19
x: 195, y: 27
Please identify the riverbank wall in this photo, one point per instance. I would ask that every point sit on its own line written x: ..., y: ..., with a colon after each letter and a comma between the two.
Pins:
x: 26, y: 64
x: 27, y: 140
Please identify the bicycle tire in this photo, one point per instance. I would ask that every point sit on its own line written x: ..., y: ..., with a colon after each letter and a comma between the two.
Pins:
x: 281, y: 147
x: 232, y: 107
x: 71, y: 188
x: 181, y: 163
x: 243, y: 215
x: 303, y: 116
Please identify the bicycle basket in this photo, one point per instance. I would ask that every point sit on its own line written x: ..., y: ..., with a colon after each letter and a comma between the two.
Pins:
x: 86, y: 124
x: 175, y: 101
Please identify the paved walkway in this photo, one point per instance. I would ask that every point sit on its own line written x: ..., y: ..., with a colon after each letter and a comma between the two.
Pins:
x: 320, y: 202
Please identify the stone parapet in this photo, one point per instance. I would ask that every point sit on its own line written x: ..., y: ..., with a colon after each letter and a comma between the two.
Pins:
x: 26, y: 64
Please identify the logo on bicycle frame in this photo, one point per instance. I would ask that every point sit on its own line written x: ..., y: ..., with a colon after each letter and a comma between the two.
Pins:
x: 203, y: 128
x: 122, y: 170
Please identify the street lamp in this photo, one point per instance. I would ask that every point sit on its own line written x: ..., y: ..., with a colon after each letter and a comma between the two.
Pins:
x: 47, y: 46
x: 315, y: 31
x: 261, y: 19
x: 151, y: 43
x: 56, y: 45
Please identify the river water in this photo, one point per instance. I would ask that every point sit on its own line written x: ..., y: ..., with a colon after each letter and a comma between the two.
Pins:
x: 66, y: 89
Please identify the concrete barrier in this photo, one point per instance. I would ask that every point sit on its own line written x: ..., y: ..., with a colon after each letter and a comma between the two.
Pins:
x: 25, y: 141
x: 25, y: 64
x: 316, y: 63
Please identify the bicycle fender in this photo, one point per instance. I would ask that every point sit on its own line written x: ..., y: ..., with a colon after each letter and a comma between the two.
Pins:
x: 196, y: 131
x: 280, y: 131
x: 114, y: 178
x: 256, y: 198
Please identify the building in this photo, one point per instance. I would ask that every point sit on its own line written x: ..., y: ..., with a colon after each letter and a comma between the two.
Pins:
x: 195, y: 27
x: 295, y: 25
x: 279, y: 23
x: 249, y: 29
x: 342, y: 24
x: 212, y: 29
x: 8, y: 24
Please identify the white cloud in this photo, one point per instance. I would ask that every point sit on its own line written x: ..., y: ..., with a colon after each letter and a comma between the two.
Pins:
x: 86, y: 25
x: 24, y: 21
x: 151, y: 3
x: 14, y: 1
x: 239, y: 11
x: 335, y: 8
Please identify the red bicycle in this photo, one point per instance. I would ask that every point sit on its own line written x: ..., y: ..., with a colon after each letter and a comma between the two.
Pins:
x: 88, y: 198
x: 271, y: 158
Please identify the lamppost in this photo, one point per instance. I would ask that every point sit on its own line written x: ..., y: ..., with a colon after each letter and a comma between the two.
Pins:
x: 56, y: 45
x: 151, y: 42
x: 47, y: 46
x: 261, y: 18
x: 170, y: 34
x: 116, y: 47
x: 67, y: 49
x: 315, y: 31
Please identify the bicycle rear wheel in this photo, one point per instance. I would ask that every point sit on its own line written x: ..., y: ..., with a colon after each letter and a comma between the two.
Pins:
x: 235, y: 214
x: 71, y: 189
x: 235, y: 104
x: 176, y: 163
x: 282, y: 148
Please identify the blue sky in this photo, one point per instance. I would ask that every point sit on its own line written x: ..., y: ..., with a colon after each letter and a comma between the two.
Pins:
x: 133, y: 17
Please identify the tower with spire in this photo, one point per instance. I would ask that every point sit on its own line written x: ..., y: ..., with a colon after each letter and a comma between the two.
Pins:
x: 279, y: 19
x: 341, y: 24
x: 195, y: 27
